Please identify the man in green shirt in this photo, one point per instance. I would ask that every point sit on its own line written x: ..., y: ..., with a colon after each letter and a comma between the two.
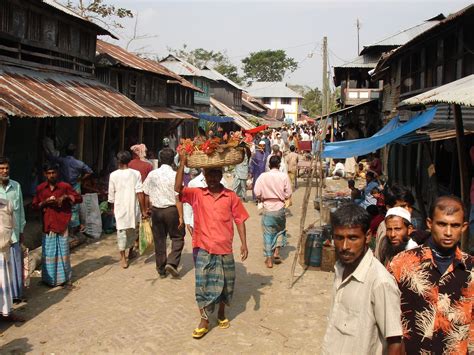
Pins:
x: 11, y: 191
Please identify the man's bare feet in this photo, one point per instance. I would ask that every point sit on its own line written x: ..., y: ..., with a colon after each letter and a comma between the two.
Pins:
x: 269, y: 262
x: 124, y: 263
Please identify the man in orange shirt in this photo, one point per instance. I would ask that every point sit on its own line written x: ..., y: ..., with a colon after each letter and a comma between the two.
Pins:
x: 215, y: 208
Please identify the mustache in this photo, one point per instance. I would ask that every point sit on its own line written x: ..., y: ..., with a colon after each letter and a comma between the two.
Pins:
x: 345, y: 253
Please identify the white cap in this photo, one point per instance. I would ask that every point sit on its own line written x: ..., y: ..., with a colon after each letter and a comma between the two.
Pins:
x: 400, y: 212
x: 261, y: 142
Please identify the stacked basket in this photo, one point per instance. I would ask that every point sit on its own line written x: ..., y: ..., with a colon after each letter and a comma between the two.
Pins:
x: 228, y: 156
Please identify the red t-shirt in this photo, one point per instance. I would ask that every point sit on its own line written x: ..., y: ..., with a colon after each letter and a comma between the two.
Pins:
x: 55, y: 218
x: 141, y: 166
x: 214, y: 217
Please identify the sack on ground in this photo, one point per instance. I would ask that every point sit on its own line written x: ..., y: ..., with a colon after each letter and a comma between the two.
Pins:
x: 145, y: 242
x: 90, y: 215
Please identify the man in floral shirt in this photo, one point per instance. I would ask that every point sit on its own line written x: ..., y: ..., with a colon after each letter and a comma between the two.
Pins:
x: 436, y: 286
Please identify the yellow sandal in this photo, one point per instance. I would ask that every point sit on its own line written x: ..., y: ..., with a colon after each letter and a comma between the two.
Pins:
x: 223, y: 324
x: 198, y: 333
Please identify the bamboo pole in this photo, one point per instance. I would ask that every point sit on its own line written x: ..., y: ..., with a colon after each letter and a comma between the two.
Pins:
x: 100, y: 163
x: 307, y: 195
x: 463, y: 168
x: 3, y: 135
x: 80, y: 139
x: 140, y: 131
x: 122, y: 134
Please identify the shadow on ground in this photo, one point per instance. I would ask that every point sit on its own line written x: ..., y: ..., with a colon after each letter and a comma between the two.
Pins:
x: 247, y: 286
x: 16, y: 347
x: 46, y: 296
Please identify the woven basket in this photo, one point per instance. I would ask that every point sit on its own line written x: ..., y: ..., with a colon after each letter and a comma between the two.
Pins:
x: 230, y: 156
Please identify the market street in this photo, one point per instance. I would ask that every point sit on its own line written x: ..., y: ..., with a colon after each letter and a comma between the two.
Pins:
x: 133, y: 311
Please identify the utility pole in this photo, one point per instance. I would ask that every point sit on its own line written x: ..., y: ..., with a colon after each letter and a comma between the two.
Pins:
x: 358, y: 42
x: 325, y: 69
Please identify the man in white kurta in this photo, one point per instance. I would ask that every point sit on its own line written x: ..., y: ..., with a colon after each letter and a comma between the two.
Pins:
x: 125, y: 191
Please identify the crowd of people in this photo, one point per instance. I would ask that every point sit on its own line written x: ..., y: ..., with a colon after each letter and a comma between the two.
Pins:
x: 397, y: 287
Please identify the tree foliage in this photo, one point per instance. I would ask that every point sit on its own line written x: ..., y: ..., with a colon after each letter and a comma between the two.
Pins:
x: 97, y: 10
x: 201, y: 57
x: 268, y: 65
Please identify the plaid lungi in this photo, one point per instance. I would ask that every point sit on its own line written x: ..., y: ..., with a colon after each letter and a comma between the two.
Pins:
x: 16, y: 269
x: 215, y: 278
x: 274, y: 231
x: 56, y: 264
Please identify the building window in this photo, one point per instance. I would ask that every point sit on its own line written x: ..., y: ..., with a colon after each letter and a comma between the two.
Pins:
x: 285, y: 101
x: 266, y: 100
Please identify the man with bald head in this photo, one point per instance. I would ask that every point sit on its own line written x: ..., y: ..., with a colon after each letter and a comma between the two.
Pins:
x: 436, y: 285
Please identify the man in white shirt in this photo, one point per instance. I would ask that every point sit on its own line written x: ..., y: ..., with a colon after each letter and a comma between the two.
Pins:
x: 166, y: 214
x: 125, y: 189
x: 279, y: 142
x: 365, y: 317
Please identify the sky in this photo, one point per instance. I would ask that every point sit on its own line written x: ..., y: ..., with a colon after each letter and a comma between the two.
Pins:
x: 298, y: 27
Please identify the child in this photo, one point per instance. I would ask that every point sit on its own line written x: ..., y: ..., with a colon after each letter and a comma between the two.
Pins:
x: 355, y: 193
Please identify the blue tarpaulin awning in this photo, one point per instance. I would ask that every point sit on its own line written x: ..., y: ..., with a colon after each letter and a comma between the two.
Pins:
x: 389, y: 133
x: 212, y: 118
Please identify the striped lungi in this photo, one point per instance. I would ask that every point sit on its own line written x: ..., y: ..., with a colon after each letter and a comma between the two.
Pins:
x: 56, y: 264
x: 6, y: 299
x: 215, y: 278
x: 274, y: 231
x: 16, y: 268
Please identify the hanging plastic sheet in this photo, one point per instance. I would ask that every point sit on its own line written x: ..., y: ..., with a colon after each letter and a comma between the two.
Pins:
x: 392, y: 131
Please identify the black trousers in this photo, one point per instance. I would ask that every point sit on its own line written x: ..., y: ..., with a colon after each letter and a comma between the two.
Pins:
x: 166, y: 221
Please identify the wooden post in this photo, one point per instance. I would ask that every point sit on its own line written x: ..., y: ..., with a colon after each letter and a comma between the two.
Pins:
x: 463, y: 169
x: 122, y: 134
x: 140, y: 131
x: 80, y: 139
x: 462, y: 158
x: 3, y: 135
x: 100, y: 163
x: 419, y: 181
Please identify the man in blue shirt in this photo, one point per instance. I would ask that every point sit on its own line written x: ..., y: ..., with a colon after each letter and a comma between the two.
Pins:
x: 11, y: 190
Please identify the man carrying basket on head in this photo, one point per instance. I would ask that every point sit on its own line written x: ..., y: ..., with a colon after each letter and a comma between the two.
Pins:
x: 215, y: 208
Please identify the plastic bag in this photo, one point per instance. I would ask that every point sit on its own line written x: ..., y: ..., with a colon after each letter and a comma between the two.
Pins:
x: 145, y: 242
x: 249, y: 184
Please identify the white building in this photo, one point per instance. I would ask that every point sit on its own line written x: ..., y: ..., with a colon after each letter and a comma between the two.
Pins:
x: 277, y: 95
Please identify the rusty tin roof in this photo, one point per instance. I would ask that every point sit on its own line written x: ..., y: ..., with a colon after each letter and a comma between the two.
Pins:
x: 36, y: 94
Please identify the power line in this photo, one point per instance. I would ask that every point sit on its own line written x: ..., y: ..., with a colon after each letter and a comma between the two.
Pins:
x: 296, y: 46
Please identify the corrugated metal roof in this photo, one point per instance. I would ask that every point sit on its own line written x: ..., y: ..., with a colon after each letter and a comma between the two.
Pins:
x: 384, y: 62
x: 67, y: 11
x: 165, y: 113
x: 131, y: 60
x: 271, y: 89
x: 402, y: 37
x: 28, y: 93
x: 459, y: 92
x: 180, y: 66
x: 429, y: 134
x: 362, y: 61
x: 349, y: 108
x: 251, y: 106
x: 227, y: 111
x: 216, y: 76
